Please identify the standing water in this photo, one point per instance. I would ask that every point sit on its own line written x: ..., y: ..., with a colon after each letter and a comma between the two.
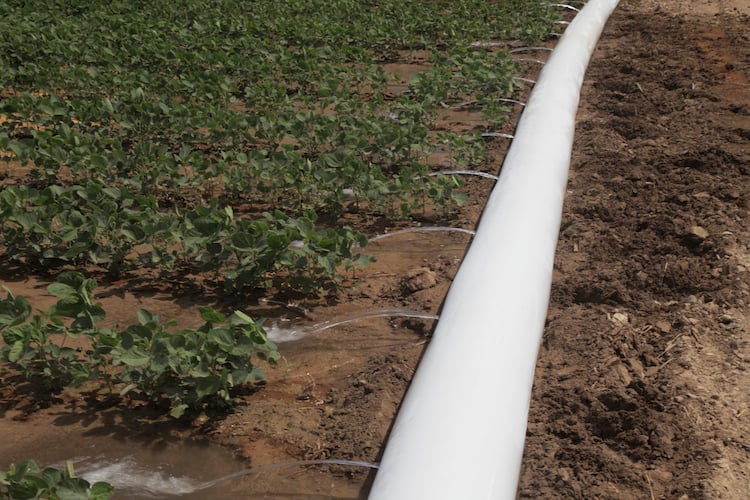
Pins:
x: 132, y: 479
x: 167, y: 467
x: 140, y: 468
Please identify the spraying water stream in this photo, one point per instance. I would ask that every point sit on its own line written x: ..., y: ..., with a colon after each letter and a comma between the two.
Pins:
x: 132, y: 479
x: 278, y: 334
x: 423, y: 230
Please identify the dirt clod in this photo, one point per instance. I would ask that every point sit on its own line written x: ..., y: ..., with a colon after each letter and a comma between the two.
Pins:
x: 419, y: 279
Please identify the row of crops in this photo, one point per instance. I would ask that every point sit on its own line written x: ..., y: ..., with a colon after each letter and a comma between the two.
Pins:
x: 247, y: 141
x: 230, y: 137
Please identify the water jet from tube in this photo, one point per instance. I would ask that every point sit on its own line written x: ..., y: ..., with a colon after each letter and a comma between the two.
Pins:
x: 128, y: 476
x: 475, y: 173
x: 528, y: 49
x: 430, y: 229
x: 279, y: 335
x: 563, y: 5
x: 497, y: 134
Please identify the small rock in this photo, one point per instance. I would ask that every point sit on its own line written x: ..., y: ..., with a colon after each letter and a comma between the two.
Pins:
x: 567, y: 372
x: 694, y: 238
x: 663, y: 326
x: 621, y: 373
x: 619, y: 318
x: 200, y: 420
x: 698, y: 232
x: 661, y: 476
x: 419, y: 279
x: 726, y: 319
x: 650, y: 360
x: 637, y: 367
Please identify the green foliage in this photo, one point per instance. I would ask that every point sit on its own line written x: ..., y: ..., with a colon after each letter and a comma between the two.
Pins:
x: 35, y: 346
x: 154, y: 134
x: 119, y: 230
x: 26, y: 481
x: 189, y: 367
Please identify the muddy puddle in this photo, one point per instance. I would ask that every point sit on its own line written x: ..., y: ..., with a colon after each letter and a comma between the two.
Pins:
x: 344, y: 364
x: 143, y: 460
x: 139, y: 464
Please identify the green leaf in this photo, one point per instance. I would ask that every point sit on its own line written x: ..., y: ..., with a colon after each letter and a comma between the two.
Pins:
x: 144, y: 317
x: 25, y: 219
x: 74, y: 488
x: 30, y: 488
x: 207, y: 386
x: 101, y: 491
x: 178, y: 410
x: 20, y: 149
x: 223, y: 337
x: 15, y: 352
x: 63, y: 292
x: 112, y: 192
x: 238, y: 317
x: 134, y: 356
x: 52, y: 476
x: 28, y: 467
x: 209, y: 315
x: 76, y: 280
x: 13, y: 310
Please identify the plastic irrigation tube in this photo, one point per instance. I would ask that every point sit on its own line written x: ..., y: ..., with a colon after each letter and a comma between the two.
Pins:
x: 460, y: 430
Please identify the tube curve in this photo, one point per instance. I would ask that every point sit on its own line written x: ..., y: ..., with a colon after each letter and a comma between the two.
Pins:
x: 460, y: 430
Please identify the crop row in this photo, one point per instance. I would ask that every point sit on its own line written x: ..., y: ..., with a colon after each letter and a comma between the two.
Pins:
x: 187, y: 369
x: 120, y: 230
x: 212, y: 134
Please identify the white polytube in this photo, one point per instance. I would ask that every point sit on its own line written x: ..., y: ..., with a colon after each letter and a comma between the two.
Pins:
x: 460, y: 430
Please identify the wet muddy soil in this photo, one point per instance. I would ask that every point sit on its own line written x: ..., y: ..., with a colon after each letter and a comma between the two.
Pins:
x: 642, y: 380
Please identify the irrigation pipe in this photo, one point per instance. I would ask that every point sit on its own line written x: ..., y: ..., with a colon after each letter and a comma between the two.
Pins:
x: 460, y: 430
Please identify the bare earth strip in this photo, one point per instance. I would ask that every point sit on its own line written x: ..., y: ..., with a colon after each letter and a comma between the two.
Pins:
x: 642, y: 381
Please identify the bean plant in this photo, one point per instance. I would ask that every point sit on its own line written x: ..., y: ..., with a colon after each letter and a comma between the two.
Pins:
x: 186, y: 369
x: 27, y: 481
x: 212, y: 136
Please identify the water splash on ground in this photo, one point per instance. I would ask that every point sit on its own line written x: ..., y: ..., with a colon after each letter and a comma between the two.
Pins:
x: 430, y: 229
x: 287, y: 334
x: 131, y: 479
